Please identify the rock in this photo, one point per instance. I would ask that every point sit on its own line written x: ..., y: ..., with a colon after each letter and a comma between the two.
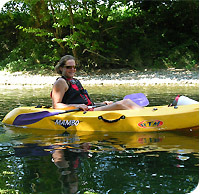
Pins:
x: 125, y: 77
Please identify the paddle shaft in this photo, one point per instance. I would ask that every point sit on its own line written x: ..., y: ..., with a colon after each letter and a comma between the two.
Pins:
x: 78, y: 109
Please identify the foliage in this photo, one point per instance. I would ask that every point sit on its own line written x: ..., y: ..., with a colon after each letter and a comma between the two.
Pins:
x: 8, y: 191
x: 34, y: 34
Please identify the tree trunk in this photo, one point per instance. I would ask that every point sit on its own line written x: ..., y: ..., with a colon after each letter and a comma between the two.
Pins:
x: 73, y: 31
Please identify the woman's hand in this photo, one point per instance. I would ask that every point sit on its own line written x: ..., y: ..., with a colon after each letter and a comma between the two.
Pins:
x: 82, y: 107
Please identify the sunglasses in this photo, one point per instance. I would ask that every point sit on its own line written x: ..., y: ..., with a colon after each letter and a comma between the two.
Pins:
x: 70, y: 67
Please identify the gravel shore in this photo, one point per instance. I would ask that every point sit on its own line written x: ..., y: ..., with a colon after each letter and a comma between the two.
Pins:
x: 113, y: 77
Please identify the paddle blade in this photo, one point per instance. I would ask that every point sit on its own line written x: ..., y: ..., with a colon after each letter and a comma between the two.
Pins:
x: 30, y: 118
x: 138, y: 98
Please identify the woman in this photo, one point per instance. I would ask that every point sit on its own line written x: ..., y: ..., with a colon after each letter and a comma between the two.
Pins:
x: 68, y: 92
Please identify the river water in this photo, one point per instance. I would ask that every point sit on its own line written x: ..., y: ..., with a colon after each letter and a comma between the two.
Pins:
x: 46, y: 161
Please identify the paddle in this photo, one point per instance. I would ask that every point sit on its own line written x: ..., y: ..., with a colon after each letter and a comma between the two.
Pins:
x: 30, y: 118
x: 138, y: 98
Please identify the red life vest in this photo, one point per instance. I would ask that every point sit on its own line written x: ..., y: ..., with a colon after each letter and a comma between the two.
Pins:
x: 76, y: 94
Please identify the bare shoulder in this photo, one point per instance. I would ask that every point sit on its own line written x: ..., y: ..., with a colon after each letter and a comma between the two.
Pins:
x: 60, y: 83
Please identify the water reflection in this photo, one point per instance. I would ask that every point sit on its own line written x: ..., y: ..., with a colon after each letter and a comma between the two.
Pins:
x: 67, y: 159
x: 84, y: 160
x: 186, y: 140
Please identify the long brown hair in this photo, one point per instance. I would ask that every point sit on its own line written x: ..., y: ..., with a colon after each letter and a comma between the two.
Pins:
x: 62, y: 62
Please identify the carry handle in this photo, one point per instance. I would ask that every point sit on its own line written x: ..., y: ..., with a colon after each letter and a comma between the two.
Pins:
x: 111, y: 121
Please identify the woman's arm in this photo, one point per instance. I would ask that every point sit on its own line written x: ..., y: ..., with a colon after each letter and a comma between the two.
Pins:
x: 58, y: 91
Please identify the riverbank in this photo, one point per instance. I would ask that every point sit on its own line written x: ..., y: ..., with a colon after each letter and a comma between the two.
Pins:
x: 111, y: 77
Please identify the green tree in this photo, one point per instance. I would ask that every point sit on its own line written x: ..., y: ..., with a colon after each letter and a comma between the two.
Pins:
x: 138, y: 34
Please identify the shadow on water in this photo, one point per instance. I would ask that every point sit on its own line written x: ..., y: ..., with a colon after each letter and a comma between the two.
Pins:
x: 48, y: 161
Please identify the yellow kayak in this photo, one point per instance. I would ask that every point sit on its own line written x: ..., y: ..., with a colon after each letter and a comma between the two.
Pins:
x: 156, y: 118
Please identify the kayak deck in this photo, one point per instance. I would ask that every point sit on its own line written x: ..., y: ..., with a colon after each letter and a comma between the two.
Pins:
x: 156, y: 118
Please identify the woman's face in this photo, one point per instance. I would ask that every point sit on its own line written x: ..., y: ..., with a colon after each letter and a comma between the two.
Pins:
x: 69, y: 69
